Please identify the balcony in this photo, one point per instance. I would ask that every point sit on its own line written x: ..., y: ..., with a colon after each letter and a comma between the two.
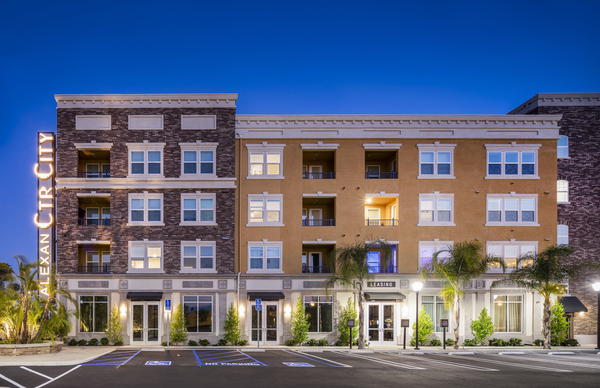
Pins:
x: 94, y: 210
x: 378, y: 265
x: 93, y: 258
x: 381, y: 222
x: 315, y: 269
x: 376, y: 268
x: 93, y: 174
x: 380, y: 165
x: 93, y: 221
x: 318, y: 165
x: 317, y: 222
x: 93, y: 268
x: 93, y: 163
x: 314, y: 258
x: 318, y: 175
x: 381, y: 210
x: 318, y: 211
x: 381, y: 175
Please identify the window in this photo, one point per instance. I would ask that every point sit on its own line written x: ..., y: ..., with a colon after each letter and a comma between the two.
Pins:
x: 562, y: 148
x: 319, y: 310
x: 265, y: 210
x: 145, y: 209
x: 145, y: 160
x: 515, y: 161
x: 436, y: 209
x: 93, y: 311
x: 264, y: 257
x: 198, y: 256
x: 515, y: 210
x: 436, y: 161
x: 428, y: 248
x: 265, y: 161
x: 198, y: 159
x: 510, y: 253
x: 434, y: 306
x: 197, y: 310
x: 198, y: 209
x: 562, y: 192
x: 562, y: 235
x: 508, y: 313
x: 145, y: 256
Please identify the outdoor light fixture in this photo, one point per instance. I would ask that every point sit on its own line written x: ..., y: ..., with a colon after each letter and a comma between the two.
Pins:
x: 417, y: 287
x: 288, y: 309
x: 596, y: 287
x: 241, y: 310
x: 369, y: 200
x: 123, y: 309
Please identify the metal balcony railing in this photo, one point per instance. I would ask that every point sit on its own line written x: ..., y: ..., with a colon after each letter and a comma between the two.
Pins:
x: 315, y: 269
x: 382, y: 269
x: 94, y: 268
x: 381, y: 222
x: 318, y: 175
x: 381, y: 175
x: 94, y: 221
x: 315, y: 222
x: 93, y: 174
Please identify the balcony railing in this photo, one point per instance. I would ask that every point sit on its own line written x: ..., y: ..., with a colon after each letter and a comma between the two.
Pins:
x: 381, y: 222
x: 93, y: 174
x: 381, y: 175
x: 94, y: 221
x: 315, y: 222
x: 315, y: 269
x: 318, y: 175
x: 382, y: 269
x: 94, y: 268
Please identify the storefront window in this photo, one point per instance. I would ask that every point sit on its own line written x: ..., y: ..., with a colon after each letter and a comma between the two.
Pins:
x: 197, y: 310
x: 435, y: 308
x: 507, y: 313
x: 319, y: 310
x: 93, y: 313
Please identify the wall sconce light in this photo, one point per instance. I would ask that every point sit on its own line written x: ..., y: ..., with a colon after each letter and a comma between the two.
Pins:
x: 344, y: 188
x: 123, y: 309
x: 369, y: 200
x: 547, y: 239
x: 287, y: 309
x: 476, y: 191
x: 358, y: 188
x: 582, y: 313
x: 512, y: 183
x: 241, y: 310
x: 358, y: 235
x: 546, y: 192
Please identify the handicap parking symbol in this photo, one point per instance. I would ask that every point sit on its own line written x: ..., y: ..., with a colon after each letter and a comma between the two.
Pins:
x: 299, y: 364
x: 158, y: 362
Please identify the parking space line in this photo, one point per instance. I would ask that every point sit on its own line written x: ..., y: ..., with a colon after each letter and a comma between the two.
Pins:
x: 391, y: 363
x: 456, y: 365
x: 37, y: 373
x: 526, y: 366
x: 197, y: 358
x: 116, y: 359
x: 12, y: 382
x: 252, y: 358
x: 561, y: 362
x: 226, y: 355
x: 56, y: 378
x: 314, y: 358
x: 214, y: 358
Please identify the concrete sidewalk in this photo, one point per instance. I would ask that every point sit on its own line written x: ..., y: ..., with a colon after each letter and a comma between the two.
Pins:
x: 70, y: 355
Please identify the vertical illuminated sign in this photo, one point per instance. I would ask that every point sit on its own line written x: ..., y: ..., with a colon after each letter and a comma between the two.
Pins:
x: 45, y: 217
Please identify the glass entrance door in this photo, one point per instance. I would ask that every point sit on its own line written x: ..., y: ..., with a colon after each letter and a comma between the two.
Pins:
x: 268, y: 317
x: 145, y: 323
x: 381, y: 324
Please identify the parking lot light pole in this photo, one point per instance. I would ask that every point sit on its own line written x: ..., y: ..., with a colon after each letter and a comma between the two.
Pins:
x: 417, y: 287
x: 596, y: 287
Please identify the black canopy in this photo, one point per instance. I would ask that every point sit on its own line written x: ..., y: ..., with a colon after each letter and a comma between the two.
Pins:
x: 572, y: 304
x: 266, y: 295
x: 384, y: 296
x: 152, y: 296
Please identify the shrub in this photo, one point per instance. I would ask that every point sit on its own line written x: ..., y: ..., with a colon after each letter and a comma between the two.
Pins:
x: 242, y: 342
x: 425, y: 327
x: 164, y: 343
x: 349, y: 312
x: 290, y: 342
x: 65, y: 340
x: 559, y: 327
x: 470, y: 342
x: 104, y: 341
x: 222, y: 342
x: 483, y: 327
x: 119, y: 343
x: 73, y: 342
x: 204, y: 342
x: 233, y: 333
x: 340, y: 343
x: 515, y: 342
x: 93, y: 342
x: 323, y: 342
x: 178, y: 329
x: 538, y: 342
x: 312, y: 342
x: 81, y: 342
x: 450, y: 342
x: 114, y: 329
x: 497, y: 342
x: 300, y: 323
x: 192, y: 343
x: 435, y: 342
x: 570, y: 342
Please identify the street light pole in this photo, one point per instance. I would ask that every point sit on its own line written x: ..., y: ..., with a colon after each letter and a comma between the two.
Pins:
x: 596, y: 287
x: 417, y: 287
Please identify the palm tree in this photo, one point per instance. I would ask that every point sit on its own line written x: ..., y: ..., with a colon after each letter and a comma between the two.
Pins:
x: 456, y: 266
x: 546, y: 272
x: 350, y: 268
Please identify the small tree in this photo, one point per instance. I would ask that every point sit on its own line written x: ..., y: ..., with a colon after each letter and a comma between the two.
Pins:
x: 114, y: 329
x: 559, y: 327
x: 482, y: 328
x: 233, y: 333
x: 425, y: 328
x: 349, y: 312
x: 300, y: 324
x: 178, y: 329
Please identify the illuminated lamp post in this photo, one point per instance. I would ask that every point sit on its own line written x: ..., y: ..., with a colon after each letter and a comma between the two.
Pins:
x: 597, y: 289
x: 417, y: 287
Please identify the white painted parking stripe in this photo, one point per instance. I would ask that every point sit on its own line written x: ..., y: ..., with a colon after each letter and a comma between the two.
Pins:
x: 457, y: 365
x: 391, y: 363
x: 12, y: 382
x: 56, y: 378
x: 555, y: 361
x: 592, y: 358
x: 321, y: 358
x: 526, y: 366
x: 37, y: 373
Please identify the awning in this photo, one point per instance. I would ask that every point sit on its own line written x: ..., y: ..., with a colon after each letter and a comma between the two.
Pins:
x: 144, y: 295
x: 384, y: 296
x: 572, y: 304
x: 266, y: 295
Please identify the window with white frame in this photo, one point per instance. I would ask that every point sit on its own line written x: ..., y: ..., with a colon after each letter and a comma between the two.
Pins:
x: 436, y: 209
x: 436, y: 309
x: 562, y: 234
x: 514, y: 210
x: 510, y: 253
x: 265, y: 161
x: 198, y: 256
x: 515, y: 161
x: 562, y: 148
x: 436, y: 161
x: 562, y: 191
x: 428, y: 248
x: 146, y: 209
x: 265, y: 210
x: 198, y: 209
x: 93, y: 314
x: 145, y: 159
x: 145, y: 256
x: 508, y: 313
x: 198, y: 159
x: 319, y: 311
x: 198, y: 310
x: 264, y: 257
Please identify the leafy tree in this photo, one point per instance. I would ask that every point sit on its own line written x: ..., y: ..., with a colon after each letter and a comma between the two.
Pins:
x: 425, y: 328
x: 456, y: 266
x: 300, y: 324
x: 58, y: 325
x: 546, y: 272
x: 349, y: 312
x: 178, y: 329
x: 114, y: 329
x: 482, y: 328
x: 559, y: 327
x: 351, y: 270
x: 5, y: 272
x: 233, y: 333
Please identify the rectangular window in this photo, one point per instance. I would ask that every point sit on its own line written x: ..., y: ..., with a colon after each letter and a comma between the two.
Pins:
x: 93, y: 312
x: 508, y: 313
x: 562, y: 235
x: 562, y: 191
x: 197, y: 310
x: 145, y: 160
x: 265, y: 209
x: 428, y: 248
x: 515, y: 210
x: 264, y: 257
x: 198, y: 209
x: 145, y: 209
x: 319, y: 310
x: 562, y: 148
x: 198, y: 159
x: 198, y: 256
x: 434, y: 307
x: 436, y: 209
x: 145, y: 256
x: 512, y: 161
x: 510, y: 254
x: 436, y: 161
x: 265, y: 161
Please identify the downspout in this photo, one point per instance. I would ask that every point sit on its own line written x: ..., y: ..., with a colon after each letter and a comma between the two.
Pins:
x: 239, y: 218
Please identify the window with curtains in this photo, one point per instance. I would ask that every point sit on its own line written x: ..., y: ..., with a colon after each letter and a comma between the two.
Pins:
x: 562, y: 191
x: 508, y: 313
x: 435, y: 308
x: 197, y: 310
x: 319, y: 310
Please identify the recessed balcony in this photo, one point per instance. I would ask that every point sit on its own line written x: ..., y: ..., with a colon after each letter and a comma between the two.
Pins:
x: 318, y: 165
x: 94, y: 258
x: 315, y: 258
x: 381, y: 165
x: 94, y: 211
x: 318, y: 211
x: 93, y: 163
x: 381, y: 211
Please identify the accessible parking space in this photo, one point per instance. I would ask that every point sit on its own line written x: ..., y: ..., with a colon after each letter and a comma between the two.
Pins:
x: 159, y: 359
x: 225, y: 357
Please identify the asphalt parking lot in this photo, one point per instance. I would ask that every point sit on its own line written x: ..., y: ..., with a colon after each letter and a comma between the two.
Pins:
x: 335, y: 368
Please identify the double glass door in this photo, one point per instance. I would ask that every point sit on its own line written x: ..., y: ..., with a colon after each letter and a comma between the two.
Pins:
x: 381, y: 324
x: 268, y: 318
x: 145, y: 323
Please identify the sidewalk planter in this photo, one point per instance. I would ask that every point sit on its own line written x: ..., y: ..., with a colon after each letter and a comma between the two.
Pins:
x: 30, y: 349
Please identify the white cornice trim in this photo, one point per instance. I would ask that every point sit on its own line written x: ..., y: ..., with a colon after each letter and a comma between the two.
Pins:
x: 146, y: 100
x: 93, y: 194
x: 318, y: 242
x: 93, y: 241
x: 93, y: 146
x: 382, y: 194
x: 139, y: 184
x: 320, y: 146
x: 514, y: 145
x: 320, y: 194
x: 198, y: 143
x: 382, y: 145
x: 557, y: 99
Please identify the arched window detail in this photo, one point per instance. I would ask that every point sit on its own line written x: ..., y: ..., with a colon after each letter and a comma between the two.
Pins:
x: 562, y: 192
x: 562, y: 148
x: 562, y: 234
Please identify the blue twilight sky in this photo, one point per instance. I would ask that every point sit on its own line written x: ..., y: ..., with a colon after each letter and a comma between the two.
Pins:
x: 282, y: 57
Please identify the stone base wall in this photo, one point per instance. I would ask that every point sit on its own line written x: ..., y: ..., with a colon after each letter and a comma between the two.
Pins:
x: 30, y: 349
